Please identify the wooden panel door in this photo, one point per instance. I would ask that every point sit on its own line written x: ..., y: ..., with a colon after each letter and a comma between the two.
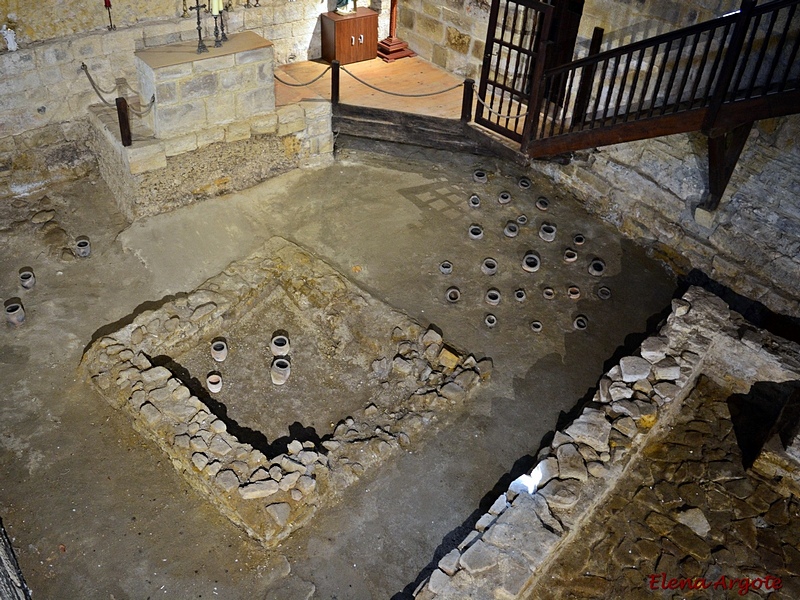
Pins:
x: 350, y: 38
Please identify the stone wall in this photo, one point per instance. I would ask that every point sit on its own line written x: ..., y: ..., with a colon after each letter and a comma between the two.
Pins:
x: 636, y: 401
x: 452, y: 34
x: 650, y: 189
x: 45, y: 94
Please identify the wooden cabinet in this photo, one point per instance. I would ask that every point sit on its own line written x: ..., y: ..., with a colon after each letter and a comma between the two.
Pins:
x: 350, y: 38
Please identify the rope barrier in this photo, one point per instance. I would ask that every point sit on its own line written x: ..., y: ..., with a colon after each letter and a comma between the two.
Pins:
x: 100, y: 91
x: 377, y: 89
x: 497, y: 114
x: 317, y: 78
x: 97, y: 89
x: 146, y: 111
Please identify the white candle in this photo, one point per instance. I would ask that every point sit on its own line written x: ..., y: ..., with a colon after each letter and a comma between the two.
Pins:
x: 216, y: 6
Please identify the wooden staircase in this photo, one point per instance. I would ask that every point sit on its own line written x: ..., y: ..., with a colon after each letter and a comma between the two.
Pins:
x: 717, y: 77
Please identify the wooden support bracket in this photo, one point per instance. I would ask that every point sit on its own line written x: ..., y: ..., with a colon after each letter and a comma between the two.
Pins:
x: 723, y: 154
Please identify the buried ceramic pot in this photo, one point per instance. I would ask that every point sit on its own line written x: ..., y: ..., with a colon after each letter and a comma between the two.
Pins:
x: 581, y: 322
x: 522, y: 220
x: 83, y: 247
x: 219, y: 350
x: 279, y: 345
x: 490, y: 321
x: 570, y: 256
x: 511, y: 229
x: 573, y: 292
x: 474, y: 201
x: 15, y: 313
x: 604, y: 293
x: 446, y: 267
x: 547, y: 232
x: 475, y: 232
x: 597, y: 267
x: 524, y: 183
x: 280, y: 370
x: 520, y: 295
x: 214, y: 382
x: 548, y: 293
x: 531, y: 262
x: 26, y: 278
x: 536, y: 326
x: 504, y: 198
x: 542, y: 203
x: 452, y: 295
x: 579, y: 239
x: 492, y: 297
x: 489, y: 266
x: 480, y: 176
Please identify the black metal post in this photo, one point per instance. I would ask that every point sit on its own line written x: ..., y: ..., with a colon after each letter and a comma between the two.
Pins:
x: 334, y: 83
x: 217, y: 40
x: 222, y: 27
x: 466, y: 100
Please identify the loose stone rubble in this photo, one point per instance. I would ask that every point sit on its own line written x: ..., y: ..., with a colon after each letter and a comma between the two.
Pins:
x: 416, y: 377
x: 544, y: 514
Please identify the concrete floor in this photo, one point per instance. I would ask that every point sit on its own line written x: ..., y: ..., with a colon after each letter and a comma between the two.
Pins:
x: 94, y: 511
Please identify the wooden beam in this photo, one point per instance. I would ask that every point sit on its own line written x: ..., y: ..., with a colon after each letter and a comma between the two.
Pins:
x: 124, y: 122
x: 617, y: 134
x: 723, y: 154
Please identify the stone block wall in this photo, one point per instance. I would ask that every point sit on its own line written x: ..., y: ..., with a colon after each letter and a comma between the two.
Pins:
x: 45, y: 93
x: 525, y: 529
x: 650, y: 190
x: 207, y: 91
x: 452, y: 34
x: 155, y: 176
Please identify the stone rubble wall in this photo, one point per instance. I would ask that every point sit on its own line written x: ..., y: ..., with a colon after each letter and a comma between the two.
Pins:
x: 12, y: 584
x: 155, y: 176
x: 650, y: 190
x: 45, y: 95
x: 527, y: 526
x: 271, y: 496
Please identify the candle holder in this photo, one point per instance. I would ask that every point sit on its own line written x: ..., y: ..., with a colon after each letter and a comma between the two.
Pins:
x: 107, y: 4
x: 185, y: 14
x: 223, y: 37
x: 217, y: 40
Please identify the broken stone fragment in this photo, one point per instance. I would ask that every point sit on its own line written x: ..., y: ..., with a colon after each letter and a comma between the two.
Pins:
x: 680, y: 307
x: 431, y: 336
x: 402, y: 366
x: 453, y: 391
x: 626, y: 407
x: 667, y: 369
x: 485, y: 522
x: 634, y: 368
x: 182, y: 441
x: 275, y: 472
x: 499, y: 505
x: 260, y: 474
x: 449, y: 562
x: 259, y: 489
x: 227, y: 480
x: 294, y: 447
x: 306, y: 484
x: 280, y: 512
x: 484, y: 367
x: 43, y: 216
x: 307, y: 457
x: 466, y: 379
x: 203, y: 310
x: 619, y: 390
x: 591, y: 428
x: 654, y: 348
x: 570, y: 463
x: 219, y: 446
x: 150, y: 414
x: 626, y: 426
x: 448, y: 358
x: 439, y: 581
x: 561, y: 494
x: 199, y: 460
x: 479, y: 557
x: 287, y: 481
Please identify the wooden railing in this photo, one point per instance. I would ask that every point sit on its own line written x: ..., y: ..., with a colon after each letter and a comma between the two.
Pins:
x: 712, y: 76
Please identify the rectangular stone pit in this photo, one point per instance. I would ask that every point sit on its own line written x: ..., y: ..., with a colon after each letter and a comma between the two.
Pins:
x: 365, y: 381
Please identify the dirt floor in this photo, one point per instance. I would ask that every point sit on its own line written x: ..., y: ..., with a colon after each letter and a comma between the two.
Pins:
x: 95, y: 511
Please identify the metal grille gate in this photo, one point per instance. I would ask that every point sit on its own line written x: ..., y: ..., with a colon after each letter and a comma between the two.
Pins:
x: 513, y: 63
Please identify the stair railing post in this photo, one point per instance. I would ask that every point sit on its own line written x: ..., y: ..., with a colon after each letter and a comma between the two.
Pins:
x: 334, y: 84
x: 726, y: 72
x: 536, y: 99
x: 466, y: 100
x: 584, y: 93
